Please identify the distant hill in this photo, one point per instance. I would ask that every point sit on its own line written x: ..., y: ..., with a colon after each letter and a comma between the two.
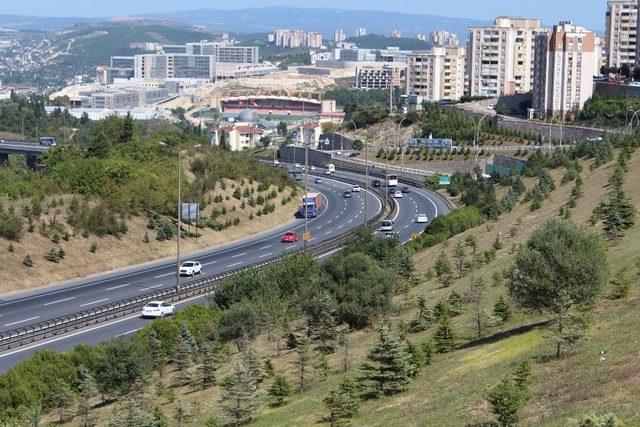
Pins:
x: 17, y: 22
x: 325, y: 21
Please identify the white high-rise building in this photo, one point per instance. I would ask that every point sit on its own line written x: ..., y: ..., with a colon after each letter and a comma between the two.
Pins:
x: 396, y: 34
x: 621, y: 33
x: 437, y: 74
x: 565, y: 59
x: 339, y: 36
x: 500, y: 58
x: 443, y: 38
x: 361, y: 32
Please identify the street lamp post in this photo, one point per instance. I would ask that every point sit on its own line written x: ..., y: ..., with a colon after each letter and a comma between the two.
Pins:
x: 476, y: 139
x: 398, y: 142
x: 366, y: 172
x: 306, y: 185
x: 561, y: 123
x: 179, y: 228
x: 635, y: 114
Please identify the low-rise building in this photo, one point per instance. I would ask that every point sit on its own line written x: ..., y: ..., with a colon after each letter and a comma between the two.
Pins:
x: 238, y: 136
x: 379, y: 75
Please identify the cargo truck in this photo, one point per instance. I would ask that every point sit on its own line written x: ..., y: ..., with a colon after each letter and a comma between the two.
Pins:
x: 311, y: 204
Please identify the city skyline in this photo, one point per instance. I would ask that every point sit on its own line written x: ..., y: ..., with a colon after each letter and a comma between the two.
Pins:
x: 589, y: 13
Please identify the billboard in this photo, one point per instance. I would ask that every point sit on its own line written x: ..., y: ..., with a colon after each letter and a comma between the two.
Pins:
x: 190, y: 212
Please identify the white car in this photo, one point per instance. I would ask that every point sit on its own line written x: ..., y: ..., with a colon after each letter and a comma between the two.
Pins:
x: 297, y: 166
x: 386, y: 226
x: 190, y: 268
x: 355, y: 189
x: 158, y: 309
x: 397, y: 195
x: 491, y: 107
x: 422, y: 219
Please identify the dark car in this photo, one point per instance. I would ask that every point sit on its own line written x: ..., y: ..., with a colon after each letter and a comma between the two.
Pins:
x: 376, y: 184
x: 346, y: 194
x: 405, y: 190
x: 392, y: 191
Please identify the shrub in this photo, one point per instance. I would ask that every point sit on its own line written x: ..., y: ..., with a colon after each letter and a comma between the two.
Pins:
x: 93, y: 248
x: 28, y: 261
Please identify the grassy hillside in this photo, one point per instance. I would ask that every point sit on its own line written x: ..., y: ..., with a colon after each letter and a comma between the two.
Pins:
x: 453, y: 388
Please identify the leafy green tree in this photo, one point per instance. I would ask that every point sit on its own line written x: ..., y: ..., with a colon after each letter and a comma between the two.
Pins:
x: 388, y: 368
x: 560, y: 268
x: 444, y: 337
x: 119, y: 364
x: 280, y: 390
x: 240, y: 396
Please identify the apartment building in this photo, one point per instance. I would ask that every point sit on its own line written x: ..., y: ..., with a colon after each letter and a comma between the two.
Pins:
x: 361, y: 32
x: 443, y: 38
x: 437, y: 74
x: 113, y: 99
x: 565, y: 59
x: 339, y: 36
x: 174, y: 66
x: 621, y: 33
x: 379, y: 75
x: 296, y: 38
x: 396, y: 34
x: 122, y: 62
x: 224, y: 52
x: 500, y: 59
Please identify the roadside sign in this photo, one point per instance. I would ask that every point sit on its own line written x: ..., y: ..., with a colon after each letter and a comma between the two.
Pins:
x: 415, y: 236
x: 306, y: 236
x: 445, y: 180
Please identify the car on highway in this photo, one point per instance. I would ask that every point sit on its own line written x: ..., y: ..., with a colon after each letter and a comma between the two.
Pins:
x: 355, y: 189
x: 289, y: 237
x: 398, y: 195
x: 346, y: 194
x: 318, y: 180
x: 405, y: 190
x: 155, y: 309
x: 386, y: 226
x: 280, y: 165
x: 491, y: 107
x: 392, y: 191
x: 376, y: 184
x: 391, y: 235
x: 422, y: 219
x: 190, y: 268
x: 297, y: 166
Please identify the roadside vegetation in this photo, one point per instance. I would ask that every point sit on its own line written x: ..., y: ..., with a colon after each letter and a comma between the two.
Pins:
x: 463, y: 329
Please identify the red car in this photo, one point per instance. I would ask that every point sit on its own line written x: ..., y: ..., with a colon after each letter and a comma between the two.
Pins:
x: 280, y: 166
x: 290, y: 237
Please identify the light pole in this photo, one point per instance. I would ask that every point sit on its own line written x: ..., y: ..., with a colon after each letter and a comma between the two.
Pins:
x: 179, y: 211
x: 366, y: 172
x: 306, y: 184
x: 561, y: 123
x: 398, y: 142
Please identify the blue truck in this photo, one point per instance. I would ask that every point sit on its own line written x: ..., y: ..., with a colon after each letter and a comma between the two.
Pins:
x: 310, y: 206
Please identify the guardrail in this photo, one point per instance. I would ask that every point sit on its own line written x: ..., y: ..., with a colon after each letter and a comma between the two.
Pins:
x: 76, y: 321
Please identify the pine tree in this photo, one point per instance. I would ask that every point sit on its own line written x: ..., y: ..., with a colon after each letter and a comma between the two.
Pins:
x: 388, y: 369
x: 456, y: 303
x: 302, y: 362
x: 186, y: 336
x: 442, y: 266
x: 416, y: 357
x: 321, y: 367
x: 155, y: 350
x: 475, y: 295
x: 240, y: 396
x: 269, y: 370
x: 322, y: 322
x: 280, y: 390
x: 63, y: 400
x: 460, y: 255
x: 183, y: 360
x: 441, y: 309
x: 183, y: 413
x: 342, y: 404
x: 444, y: 338
x: 87, y: 391
x: 428, y: 348
x: 501, y: 309
x: 253, y: 364
x: 423, y: 319
x: 620, y: 284
x: 207, y: 369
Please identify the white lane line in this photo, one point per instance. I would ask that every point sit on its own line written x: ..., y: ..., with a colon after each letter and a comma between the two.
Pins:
x: 151, y: 287
x: 59, y: 301
x: 128, y: 332
x: 22, y: 321
x: 329, y: 222
x: 239, y: 255
x: 311, y: 240
x: 407, y: 226
x: 265, y: 247
x: 234, y: 265
x: 341, y: 226
x: 210, y: 263
x: 319, y: 227
x: 266, y: 255
x: 117, y: 287
x: 328, y: 232
x: 95, y: 302
x: 164, y: 275
x: 350, y: 221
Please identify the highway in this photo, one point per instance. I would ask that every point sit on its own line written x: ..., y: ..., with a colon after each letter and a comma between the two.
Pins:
x: 340, y: 216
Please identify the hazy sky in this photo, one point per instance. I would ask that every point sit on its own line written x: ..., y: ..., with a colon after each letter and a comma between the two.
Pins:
x: 585, y: 12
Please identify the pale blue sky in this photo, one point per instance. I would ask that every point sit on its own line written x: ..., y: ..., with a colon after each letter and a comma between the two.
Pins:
x: 585, y: 12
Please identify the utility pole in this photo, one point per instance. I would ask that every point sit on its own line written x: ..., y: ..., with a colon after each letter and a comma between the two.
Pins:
x: 306, y: 185
x: 179, y: 222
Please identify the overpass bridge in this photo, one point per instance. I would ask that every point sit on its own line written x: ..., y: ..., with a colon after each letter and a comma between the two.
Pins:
x: 30, y: 150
